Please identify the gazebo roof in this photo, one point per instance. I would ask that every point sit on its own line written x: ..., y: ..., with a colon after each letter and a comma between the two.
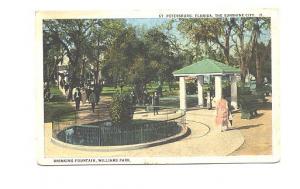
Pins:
x: 206, y: 67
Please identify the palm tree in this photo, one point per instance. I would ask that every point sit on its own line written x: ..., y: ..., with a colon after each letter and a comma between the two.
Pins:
x: 258, y: 25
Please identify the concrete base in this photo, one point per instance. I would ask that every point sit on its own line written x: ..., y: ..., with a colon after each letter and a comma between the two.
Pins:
x: 184, y: 132
x: 205, y: 140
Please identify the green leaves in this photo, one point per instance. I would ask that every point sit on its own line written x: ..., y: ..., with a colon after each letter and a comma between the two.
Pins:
x: 121, y: 110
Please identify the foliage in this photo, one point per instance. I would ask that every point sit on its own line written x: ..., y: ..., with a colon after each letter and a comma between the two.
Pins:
x: 243, y: 90
x: 53, y: 110
x: 121, y: 109
x: 82, y: 41
x: 191, y: 88
x: 235, y: 41
x: 126, y: 55
x: 210, y: 31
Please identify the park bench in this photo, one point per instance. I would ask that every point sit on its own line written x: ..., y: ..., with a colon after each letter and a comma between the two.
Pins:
x: 248, y: 109
x: 49, y: 98
x: 259, y: 96
x: 249, y: 104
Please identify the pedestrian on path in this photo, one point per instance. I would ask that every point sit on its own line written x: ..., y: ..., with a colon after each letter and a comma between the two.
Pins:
x: 69, y: 135
x: 83, y: 96
x: 230, y: 109
x: 222, y: 114
x: 67, y: 88
x: 92, y: 100
x: 230, y: 118
x: 155, y: 102
x: 77, y: 98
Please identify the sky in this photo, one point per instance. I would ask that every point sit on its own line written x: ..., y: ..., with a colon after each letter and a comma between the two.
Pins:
x: 148, y: 23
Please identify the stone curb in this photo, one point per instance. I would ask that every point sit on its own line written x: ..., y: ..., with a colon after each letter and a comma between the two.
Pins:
x: 185, y: 131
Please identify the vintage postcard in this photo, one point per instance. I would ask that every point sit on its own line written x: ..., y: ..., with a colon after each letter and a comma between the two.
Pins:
x: 157, y: 87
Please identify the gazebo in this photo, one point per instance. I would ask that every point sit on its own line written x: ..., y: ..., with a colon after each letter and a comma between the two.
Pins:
x: 207, y: 67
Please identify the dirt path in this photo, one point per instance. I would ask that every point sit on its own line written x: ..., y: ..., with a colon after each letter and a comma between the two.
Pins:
x: 257, y: 132
x: 86, y: 115
x: 204, y: 140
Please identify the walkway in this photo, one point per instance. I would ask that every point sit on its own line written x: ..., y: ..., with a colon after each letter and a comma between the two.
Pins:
x: 257, y: 132
x: 204, y: 140
x: 85, y: 115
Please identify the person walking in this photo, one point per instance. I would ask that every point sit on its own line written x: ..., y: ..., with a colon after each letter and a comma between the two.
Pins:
x: 230, y: 109
x: 83, y: 96
x: 66, y: 88
x: 266, y: 84
x: 97, y: 92
x: 77, y: 98
x: 132, y: 98
x: 265, y: 80
x: 47, y: 94
x: 88, y: 92
x: 92, y: 100
x: 155, y: 102
x: 230, y: 118
x: 145, y: 98
x: 222, y: 114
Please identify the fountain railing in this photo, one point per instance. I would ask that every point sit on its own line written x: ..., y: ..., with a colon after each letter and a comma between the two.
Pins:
x: 94, y: 129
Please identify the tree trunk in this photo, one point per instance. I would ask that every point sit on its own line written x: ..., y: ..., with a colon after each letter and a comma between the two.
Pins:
x: 243, y: 70
x: 258, y: 68
x: 74, y: 79
x: 139, y: 91
x: 256, y: 30
x: 243, y: 61
x: 170, y: 85
x: 227, y: 41
x: 226, y: 52
x: 197, y: 49
x: 226, y: 49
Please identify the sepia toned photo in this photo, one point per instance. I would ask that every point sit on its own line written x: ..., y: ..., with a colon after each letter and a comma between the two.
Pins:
x: 157, y: 87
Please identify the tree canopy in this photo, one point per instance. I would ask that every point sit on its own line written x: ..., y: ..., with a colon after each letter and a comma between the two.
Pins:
x: 123, y: 54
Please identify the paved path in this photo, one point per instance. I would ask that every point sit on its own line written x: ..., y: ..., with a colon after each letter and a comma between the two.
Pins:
x: 257, y: 132
x: 204, y: 140
x: 85, y: 115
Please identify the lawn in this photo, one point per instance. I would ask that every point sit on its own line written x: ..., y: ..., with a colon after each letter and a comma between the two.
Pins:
x: 151, y: 87
x: 57, y: 106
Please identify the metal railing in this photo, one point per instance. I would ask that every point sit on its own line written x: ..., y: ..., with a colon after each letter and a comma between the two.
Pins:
x: 92, y: 129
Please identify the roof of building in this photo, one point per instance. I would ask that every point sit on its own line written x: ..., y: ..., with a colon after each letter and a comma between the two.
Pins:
x: 206, y: 67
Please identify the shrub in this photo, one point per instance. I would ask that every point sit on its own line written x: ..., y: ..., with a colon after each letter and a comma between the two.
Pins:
x: 191, y: 88
x: 121, y: 109
x: 243, y: 89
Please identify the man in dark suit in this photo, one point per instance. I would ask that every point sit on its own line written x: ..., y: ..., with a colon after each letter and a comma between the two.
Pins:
x: 155, y: 102
x: 77, y: 98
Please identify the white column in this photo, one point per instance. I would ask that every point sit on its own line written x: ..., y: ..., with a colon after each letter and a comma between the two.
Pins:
x: 200, y: 89
x: 234, y: 92
x: 218, y: 87
x: 59, y: 87
x: 182, y: 93
x: 59, y: 79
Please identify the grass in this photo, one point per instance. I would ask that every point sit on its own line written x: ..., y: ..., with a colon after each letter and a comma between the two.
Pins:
x: 57, y: 106
x: 173, y: 101
x: 170, y: 98
x: 110, y: 90
x: 151, y: 87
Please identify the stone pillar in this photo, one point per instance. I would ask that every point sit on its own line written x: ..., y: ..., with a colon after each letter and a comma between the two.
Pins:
x: 58, y: 80
x: 234, y: 92
x: 218, y: 87
x: 182, y: 93
x: 200, y: 89
x: 59, y: 87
